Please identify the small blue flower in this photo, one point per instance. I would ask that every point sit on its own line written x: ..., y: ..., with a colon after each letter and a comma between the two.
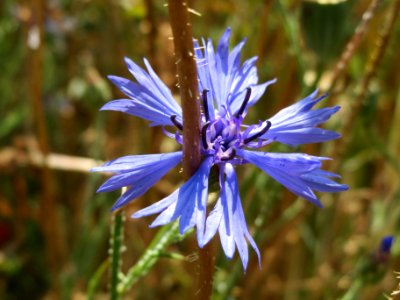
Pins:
x: 382, y: 254
x: 386, y: 244
x: 228, y: 89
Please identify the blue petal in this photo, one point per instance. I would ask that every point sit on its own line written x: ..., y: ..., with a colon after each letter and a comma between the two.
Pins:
x: 150, y: 98
x: 222, y: 54
x: 326, y: 174
x: 152, y: 83
x: 238, y: 227
x: 297, y: 123
x: 222, y: 68
x: 220, y: 72
x: 213, y: 222
x: 321, y: 183
x: 137, y: 162
x: 188, y: 202
x: 300, y: 136
x: 210, y: 64
x: 228, y: 218
x: 305, y: 119
x: 141, y: 110
x: 140, y: 171
x: 227, y: 239
x: 245, y: 76
x: 205, y: 81
x: 234, y: 57
x: 299, y: 173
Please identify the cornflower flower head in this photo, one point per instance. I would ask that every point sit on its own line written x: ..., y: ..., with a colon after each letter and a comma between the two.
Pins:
x: 382, y: 254
x: 228, y: 89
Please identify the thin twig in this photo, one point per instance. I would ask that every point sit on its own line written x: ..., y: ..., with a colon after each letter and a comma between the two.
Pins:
x: 50, y: 223
x: 356, y: 106
x: 353, y: 44
x: 11, y: 157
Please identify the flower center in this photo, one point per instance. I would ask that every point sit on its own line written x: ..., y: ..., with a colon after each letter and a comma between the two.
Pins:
x: 221, y: 133
x: 220, y: 137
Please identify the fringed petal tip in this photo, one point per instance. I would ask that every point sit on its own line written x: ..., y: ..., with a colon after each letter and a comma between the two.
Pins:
x: 272, y: 81
x: 140, y: 172
x: 94, y: 169
x: 227, y: 218
x: 128, y: 61
x: 298, y: 123
x: 227, y: 32
x: 150, y: 98
x: 188, y: 204
x: 122, y: 105
x: 299, y: 173
x: 314, y: 200
x: 115, y: 208
x: 113, y: 78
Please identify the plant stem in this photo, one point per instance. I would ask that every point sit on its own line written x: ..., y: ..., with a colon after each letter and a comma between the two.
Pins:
x: 188, y: 82
x: 370, y: 71
x: 115, y: 253
x: 352, y: 45
x: 48, y: 213
x: 164, y: 237
x: 187, y: 78
x: 95, y: 279
x: 354, y: 290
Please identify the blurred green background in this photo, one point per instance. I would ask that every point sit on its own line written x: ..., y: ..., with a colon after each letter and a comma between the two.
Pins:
x: 54, y: 228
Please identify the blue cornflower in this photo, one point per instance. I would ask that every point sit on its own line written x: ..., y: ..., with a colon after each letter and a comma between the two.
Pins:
x: 227, y: 88
x: 386, y: 244
x: 382, y: 255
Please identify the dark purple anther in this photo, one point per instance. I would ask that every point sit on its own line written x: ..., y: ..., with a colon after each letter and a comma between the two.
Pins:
x: 245, y: 102
x: 204, y: 135
x: 267, y: 126
x: 176, y: 123
x: 205, y: 105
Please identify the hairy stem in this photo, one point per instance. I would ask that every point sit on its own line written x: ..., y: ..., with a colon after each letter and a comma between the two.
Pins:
x: 187, y: 78
x: 115, y: 253
x: 164, y: 237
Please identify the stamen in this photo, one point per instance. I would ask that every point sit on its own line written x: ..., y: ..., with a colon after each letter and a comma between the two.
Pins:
x: 176, y: 123
x: 245, y: 102
x: 205, y: 105
x: 258, y: 134
x: 204, y: 135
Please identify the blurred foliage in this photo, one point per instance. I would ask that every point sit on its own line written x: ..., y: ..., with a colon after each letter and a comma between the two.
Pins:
x: 307, y: 253
x: 320, y: 23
